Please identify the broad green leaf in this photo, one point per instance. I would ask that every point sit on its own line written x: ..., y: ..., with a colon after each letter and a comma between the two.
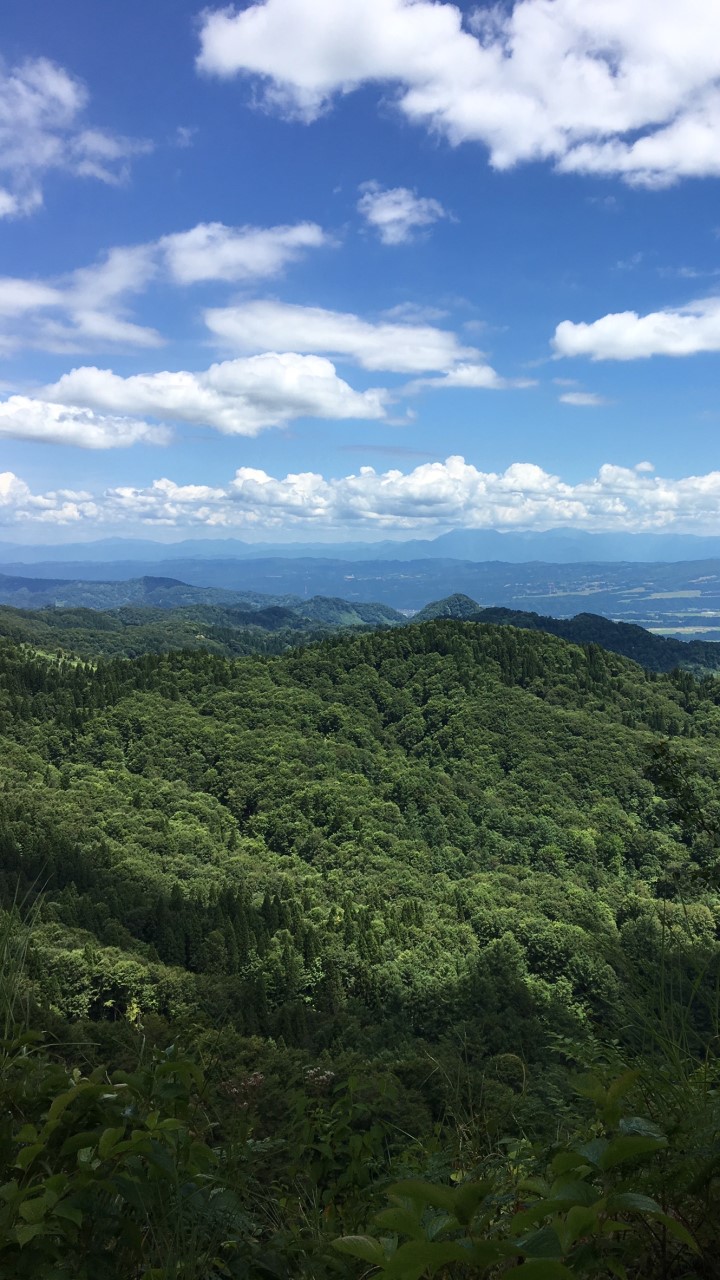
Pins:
x: 108, y: 1140
x: 564, y: 1161
x: 365, y: 1248
x: 620, y: 1150
x: 79, y: 1141
x: 544, y: 1243
x: 632, y: 1202
x: 27, y: 1232
x: 622, y: 1085
x: 592, y: 1152
x: 536, y: 1212
x: 424, y: 1193
x: 580, y: 1221
x: 35, y: 1209
x: 588, y: 1086
x: 617, y: 1268
x: 28, y: 1154
x: 63, y: 1101
x: 542, y: 1269
x: 68, y: 1211
x: 468, y: 1197
x: 573, y: 1191
x: 677, y: 1230
x: 400, y: 1220
x: 640, y: 1125
x: 420, y: 1257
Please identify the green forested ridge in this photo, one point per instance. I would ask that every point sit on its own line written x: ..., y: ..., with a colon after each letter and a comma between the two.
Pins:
x: 659, y: 653
x: 261, y: 624
x: 391, y: 889
x: 271, y: 625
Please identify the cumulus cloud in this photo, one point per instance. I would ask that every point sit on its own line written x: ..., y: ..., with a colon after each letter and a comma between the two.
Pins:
x: 398, y: 347
x: 625, y: 335
x: 397, y: 213
x: 478, y: 377
x: 20, y: 506
x: 43, y: 129
x: 615, y: 88
x: 212, y: 251
x: 87, y: 309
x: 431, y: 496
x: 23, y: 418
x: 237, y: 397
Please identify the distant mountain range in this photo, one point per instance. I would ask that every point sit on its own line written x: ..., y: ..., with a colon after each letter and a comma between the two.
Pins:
x: 681, y: 598
x: 248, y: 607
x: 557, y: 546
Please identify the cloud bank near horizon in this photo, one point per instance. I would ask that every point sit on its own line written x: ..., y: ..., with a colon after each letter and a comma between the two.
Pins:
x: 431, y: 497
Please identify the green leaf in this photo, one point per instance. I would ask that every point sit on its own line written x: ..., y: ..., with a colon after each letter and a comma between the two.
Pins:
x: 365, y: 1248
x: 109, y: 1139
x: 468, y: 1197
x: 68, y: 1211
x: 622, y: 1085
x: 528, y: 1217
x: 677, y: 1230
x: 425, y: 1194
x: 27, y: 1232
x: 640, y: 1125
x: 28, y: 1154
x: 544, y: 1243
x: 573, y: 1191
x: 78, y: 1142
x: 580, y: 1221
x: 542, y: 1269
x: 564, y: 1161
x: 620, y: 1150
x: 400, y: 1220
x: 592, y: 1152
x: 34, y: 1210
x: 420, y: 1257
x: 632, y: 1202
x: 617, y: 1268
x: 63, y: 1100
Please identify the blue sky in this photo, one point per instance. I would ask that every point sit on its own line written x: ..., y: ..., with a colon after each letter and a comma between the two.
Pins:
x: 264, y: 271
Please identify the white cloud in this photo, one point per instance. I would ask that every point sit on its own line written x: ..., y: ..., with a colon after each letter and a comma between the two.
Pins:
x: 625, y: 335
x: 559, y: 80
x: 42, y: 129
x: 396, y: 213
x: 20, y: 506
x: 583, y: 399
x: 86, y: 309
x: 478, y: 377
x: 400, y: 348
x: 236, y: 397
x: 212, y: 251
x: 430, y: 497
x: 22, y: 418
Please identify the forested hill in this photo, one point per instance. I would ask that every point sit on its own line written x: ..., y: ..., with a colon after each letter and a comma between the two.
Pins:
x: 657, y: 653
x: 392, y: 889
x: 365, y: 782
x: 264, y: 624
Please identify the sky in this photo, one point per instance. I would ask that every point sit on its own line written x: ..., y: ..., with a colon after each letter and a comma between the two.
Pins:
x: 312, y: 269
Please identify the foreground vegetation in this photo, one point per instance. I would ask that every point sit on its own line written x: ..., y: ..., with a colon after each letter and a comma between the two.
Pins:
x: 395, y: 954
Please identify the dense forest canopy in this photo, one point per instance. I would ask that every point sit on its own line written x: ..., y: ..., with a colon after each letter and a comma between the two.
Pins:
x: 271, y: 625
x: 452, y: 860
